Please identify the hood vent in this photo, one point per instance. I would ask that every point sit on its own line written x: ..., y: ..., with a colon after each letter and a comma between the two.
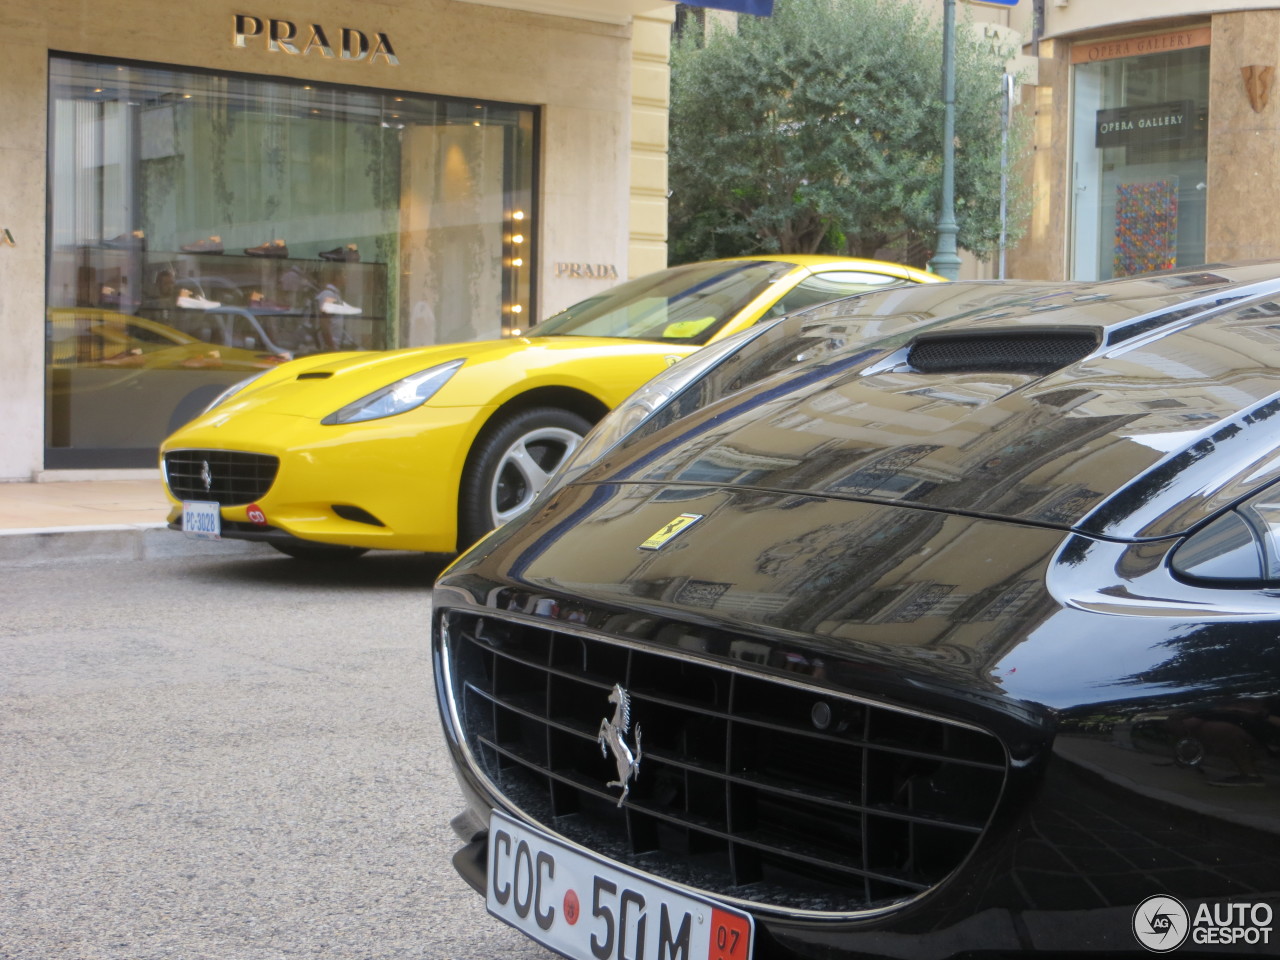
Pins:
x: 1031, y: 352
x: 316, y: 375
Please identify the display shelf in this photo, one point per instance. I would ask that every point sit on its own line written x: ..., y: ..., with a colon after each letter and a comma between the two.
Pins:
x: 266, y: 303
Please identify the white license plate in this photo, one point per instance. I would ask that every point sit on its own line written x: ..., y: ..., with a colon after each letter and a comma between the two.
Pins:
x: 201, y: 520
x: 587, y: 908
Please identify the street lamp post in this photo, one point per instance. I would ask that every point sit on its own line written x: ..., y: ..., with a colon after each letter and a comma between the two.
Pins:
x: 1006, y: 108
x: 946, y: 262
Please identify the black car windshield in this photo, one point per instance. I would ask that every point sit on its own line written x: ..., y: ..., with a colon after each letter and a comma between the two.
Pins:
x: 686, y: 304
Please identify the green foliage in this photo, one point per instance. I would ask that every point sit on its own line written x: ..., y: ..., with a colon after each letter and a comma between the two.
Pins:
x: 819, y: 129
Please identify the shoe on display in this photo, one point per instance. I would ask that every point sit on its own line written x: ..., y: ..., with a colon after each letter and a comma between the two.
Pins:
x: 194, y: 301
x: 338, y: 308
x: 207, y: 245
x: 134, y: 240
x: 348, y: 254
x: 272, y: 248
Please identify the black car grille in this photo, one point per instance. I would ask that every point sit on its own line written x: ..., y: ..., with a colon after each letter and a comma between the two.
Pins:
x: 751, y: 787
x: 233, y: 478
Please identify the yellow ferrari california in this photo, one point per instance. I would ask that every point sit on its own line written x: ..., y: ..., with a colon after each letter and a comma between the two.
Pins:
x: 429, y: 448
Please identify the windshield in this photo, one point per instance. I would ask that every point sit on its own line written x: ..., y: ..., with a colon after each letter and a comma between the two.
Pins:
x: 685, y: 304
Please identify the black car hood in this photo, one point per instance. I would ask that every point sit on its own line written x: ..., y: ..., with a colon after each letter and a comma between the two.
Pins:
x: 896, y: 601
x: 1139, y: 440
x: 805, y: 576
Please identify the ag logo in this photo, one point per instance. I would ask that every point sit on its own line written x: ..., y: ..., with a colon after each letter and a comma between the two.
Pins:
x: 1161, y: 924
x: 677, y: 526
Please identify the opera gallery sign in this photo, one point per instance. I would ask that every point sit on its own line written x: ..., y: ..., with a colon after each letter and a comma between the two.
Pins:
x: 1157, y: 122
x: 285, y: 36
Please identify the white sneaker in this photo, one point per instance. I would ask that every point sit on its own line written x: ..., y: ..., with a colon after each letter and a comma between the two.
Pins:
x: 194, y: 301
x: 339, y: 308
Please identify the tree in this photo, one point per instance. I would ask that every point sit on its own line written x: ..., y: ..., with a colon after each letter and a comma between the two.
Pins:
x: 820, y: 130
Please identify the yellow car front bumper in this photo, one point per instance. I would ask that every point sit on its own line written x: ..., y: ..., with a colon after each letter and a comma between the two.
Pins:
x: 385, y: 485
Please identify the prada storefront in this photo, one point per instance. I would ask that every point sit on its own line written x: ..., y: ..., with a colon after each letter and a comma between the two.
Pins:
x: 279, y: 183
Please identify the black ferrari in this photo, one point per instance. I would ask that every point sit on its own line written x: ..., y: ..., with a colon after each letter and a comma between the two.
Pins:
x: 962, y: 639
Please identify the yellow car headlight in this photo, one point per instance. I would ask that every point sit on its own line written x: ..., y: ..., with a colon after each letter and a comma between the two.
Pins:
x: 405, y: 394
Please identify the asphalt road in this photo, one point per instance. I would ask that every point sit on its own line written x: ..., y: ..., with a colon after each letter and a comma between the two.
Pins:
x: 230, y: 758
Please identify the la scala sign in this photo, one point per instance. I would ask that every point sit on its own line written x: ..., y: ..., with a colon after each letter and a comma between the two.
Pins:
x: 284, y: 36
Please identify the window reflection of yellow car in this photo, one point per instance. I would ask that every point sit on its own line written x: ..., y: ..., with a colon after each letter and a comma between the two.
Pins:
x: 429, y: 448
x: 117, y: 380
x: 92, y: 337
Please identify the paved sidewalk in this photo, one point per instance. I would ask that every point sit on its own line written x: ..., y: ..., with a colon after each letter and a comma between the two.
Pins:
x: 79, y: 503
x: 94, y: 520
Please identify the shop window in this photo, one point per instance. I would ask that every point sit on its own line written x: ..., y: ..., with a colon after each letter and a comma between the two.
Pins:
x: 238, y: 221
x: 1140, y: 148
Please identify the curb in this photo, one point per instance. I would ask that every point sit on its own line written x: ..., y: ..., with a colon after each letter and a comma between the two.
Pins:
x: 116, y: 542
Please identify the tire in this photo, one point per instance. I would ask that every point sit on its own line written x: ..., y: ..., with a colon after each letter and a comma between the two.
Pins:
x: 318, y: 552
x: 510, y: 464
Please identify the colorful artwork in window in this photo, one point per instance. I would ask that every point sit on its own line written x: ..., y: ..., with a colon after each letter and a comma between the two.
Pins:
x: 1146, y: 227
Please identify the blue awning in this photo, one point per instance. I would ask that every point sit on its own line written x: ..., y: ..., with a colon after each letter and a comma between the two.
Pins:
x: 757, y: 8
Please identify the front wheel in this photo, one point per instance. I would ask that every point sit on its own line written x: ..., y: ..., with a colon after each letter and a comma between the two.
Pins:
x: 510, y: 465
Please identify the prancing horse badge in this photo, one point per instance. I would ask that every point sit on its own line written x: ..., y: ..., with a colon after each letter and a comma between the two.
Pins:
x: 613, y: 739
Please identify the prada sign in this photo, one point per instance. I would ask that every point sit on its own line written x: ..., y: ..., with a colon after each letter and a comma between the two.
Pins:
x: 1159, y: 122
x: 587, y: 271
x: 283, y: 36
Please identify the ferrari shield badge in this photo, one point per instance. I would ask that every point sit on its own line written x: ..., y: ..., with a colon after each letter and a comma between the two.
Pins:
x: 671, y: 530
